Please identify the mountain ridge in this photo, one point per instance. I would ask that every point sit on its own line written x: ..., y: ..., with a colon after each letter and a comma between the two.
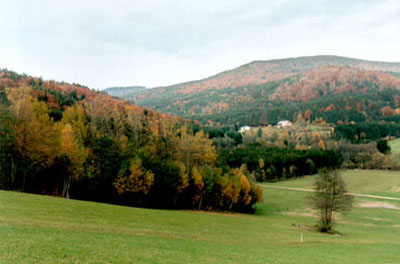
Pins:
x: 249, y: 91
x: 123, y: 90
x: 273, y: 61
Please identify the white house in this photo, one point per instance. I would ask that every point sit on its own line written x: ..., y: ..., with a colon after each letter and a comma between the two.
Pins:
x: 284, y: 123
x: 244, y: 129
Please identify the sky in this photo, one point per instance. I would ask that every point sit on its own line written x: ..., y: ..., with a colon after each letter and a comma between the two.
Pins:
x: 152, y: 43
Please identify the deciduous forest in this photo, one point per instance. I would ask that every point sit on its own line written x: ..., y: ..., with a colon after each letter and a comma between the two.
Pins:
x: 67, y: 140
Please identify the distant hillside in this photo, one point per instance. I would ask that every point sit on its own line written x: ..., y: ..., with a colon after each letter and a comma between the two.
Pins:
x: 331, y: 81
x: 260, y: 72
x: 259, y: 92
x: 124, y: 91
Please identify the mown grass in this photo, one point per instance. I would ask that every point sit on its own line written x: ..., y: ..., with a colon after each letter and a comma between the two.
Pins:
x: 395, y: 146
x: 40, y: 229
x: 395, y: 149
x: 382, y: 183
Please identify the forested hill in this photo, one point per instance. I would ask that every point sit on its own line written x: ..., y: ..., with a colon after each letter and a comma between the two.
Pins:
x: 67, y: 140
x: 266, y: 91
x: 259, y: 72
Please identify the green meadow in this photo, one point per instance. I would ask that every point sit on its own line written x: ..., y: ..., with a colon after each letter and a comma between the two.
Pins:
x: 41, y: 229
x: 395, y: 148
x: 373, y: 182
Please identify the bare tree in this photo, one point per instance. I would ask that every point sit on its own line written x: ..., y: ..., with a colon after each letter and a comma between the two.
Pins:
x: 330, y: 196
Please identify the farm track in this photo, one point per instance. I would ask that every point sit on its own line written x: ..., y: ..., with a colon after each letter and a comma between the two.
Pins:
x: 352, y: 194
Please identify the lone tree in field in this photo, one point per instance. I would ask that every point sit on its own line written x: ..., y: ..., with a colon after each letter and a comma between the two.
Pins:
x: 330, y: 196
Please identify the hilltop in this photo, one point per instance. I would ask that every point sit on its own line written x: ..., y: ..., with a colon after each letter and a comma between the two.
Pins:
x: 124, y: 90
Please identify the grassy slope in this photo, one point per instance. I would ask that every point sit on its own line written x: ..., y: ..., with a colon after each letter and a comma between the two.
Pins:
x: 382, y: 183
x: 39, y: 229
x: 395, y: 146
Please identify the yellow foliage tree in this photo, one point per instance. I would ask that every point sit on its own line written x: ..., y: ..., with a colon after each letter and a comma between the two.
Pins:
x: 76, y: 153
x: 35, y: 137
x: 139, y: 180
x: 284, y: 137
x: 321, y: 145
x: 199, y: 184
x: 261, y: 163
x: 184, y: 177
x: 194, y: 150
x: 75, y: 115
x: 246, y: 189
x: 245, y: 186
x: 230, y: 191
x: 315, y: 136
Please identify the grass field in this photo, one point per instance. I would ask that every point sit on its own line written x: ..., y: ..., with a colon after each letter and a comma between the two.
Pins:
x: 382, y: 183
x: 40, y: 229
x: 395, y: 147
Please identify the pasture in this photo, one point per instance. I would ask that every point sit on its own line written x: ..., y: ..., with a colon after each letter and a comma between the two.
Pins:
x: 41, y: 229
x: 395, y: 148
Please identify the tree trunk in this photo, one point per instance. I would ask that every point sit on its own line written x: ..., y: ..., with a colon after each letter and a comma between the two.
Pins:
x: 66, y: 187
x: 201, y: 200
x: 230, y: 206
x: 13, y: 171
x: 23, y: 180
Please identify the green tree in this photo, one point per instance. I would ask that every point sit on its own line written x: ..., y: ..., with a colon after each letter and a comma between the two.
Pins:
x: 382, y: 146
x: 259, y: 133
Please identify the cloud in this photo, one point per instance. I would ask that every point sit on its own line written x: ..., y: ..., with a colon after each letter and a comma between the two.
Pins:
x: 109, y: 43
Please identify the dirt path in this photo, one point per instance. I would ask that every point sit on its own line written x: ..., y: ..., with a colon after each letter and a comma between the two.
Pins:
x: 353, y: 194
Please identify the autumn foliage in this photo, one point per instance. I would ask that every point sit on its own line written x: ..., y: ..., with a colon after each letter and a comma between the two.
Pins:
x: 67, y: 140
x: 333, y: 80
x: 265, y: 92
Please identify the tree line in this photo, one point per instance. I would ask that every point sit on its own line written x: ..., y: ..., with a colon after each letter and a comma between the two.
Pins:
x: 366, y: 132
x: 273, y: 163
x: 102, y: 149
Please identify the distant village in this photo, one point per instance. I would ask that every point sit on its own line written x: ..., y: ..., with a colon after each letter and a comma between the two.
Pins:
x: 280, y: 124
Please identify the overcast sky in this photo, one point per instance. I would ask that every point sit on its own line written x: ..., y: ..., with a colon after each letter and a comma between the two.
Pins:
x: 159, y: 42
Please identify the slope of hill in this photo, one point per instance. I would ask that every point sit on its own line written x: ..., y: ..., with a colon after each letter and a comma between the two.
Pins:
x: 67, y: 140
x: 260, y: 92
x: 395, y: 150
x: 124, y: 90
x: 260, y: 72
x: 53, y: 230
x: 256, y: 92
x: 331, y: 81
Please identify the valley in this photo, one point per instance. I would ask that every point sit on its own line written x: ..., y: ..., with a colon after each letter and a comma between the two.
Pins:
x: 200, y: 132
